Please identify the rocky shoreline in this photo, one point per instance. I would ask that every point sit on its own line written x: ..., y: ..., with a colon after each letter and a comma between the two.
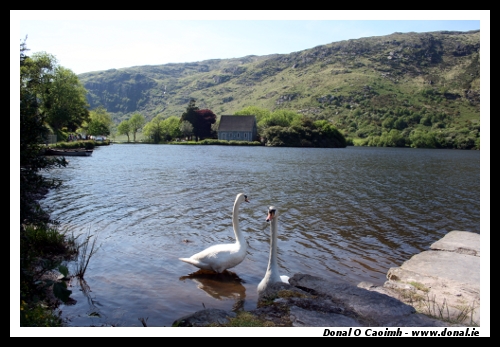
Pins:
x: 436, y: 288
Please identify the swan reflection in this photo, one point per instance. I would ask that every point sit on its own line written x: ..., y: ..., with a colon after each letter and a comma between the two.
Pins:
x: 224, y: 285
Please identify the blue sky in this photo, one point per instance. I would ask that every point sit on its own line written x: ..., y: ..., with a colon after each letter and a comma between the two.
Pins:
x: 85, y: 41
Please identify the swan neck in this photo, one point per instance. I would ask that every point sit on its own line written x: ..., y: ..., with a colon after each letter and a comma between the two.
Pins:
x: 273, y: 256
x: 236, y: 223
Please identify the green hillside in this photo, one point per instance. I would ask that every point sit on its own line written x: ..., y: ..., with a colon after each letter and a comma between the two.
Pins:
x: 366, y: 87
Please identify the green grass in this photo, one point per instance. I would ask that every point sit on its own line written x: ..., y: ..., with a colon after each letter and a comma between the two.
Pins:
x: 420, y: 286
x: 139, y: 137
x: 86, y: 249
x: 245, y: 319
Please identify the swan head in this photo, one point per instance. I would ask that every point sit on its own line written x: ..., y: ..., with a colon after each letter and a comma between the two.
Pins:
x: 271, y: 213
x: 242, y: 197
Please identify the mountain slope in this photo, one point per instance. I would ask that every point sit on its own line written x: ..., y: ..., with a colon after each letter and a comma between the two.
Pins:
x: 356, y: 84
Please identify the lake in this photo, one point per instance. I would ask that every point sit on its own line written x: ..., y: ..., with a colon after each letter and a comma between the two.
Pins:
x: 348, y: 214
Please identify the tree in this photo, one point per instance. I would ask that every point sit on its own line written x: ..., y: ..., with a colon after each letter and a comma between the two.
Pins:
x: 392, y: 138
x: 201, y: 120
x: 124, y: 129
x: 155, y: 129
x: 172, y: 124
x: 35, y: 78
x: 282, y: 118
x: 191, y: 116
x: 61, y: 97
x: 330, y: 134
x: 205, y: 120
x: 304, y: 132
x: 38, y: 251
x: 97, y: 128
x: 422, y: 139
x: 186, y: 129
x: 259, y: 113
x: 67, y: 98
x: 136, y: 122
x: 100, y: 122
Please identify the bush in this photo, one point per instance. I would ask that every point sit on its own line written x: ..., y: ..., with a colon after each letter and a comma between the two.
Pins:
x: 219, y: 142
x: 87, y: 144
x: 37, y: 315
x: 43, y: 249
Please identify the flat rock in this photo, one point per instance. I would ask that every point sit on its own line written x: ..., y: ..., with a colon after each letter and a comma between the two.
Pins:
x: 463, y: 242
x: 445, y: 279
x: 367, y: 308
x: 447, y: 276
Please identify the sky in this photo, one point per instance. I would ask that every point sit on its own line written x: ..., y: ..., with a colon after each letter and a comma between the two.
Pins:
x: 85, y: 41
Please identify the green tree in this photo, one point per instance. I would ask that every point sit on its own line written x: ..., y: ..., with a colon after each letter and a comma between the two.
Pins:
x: 201, y: 120
x: 67, y: 98
x: 124, y: 129
x: 259, y: 113
x: 388, y: 123
x: 423, y: 139
x: 172, y: 124
x: 400, y: 123
x: 100, y: 122
x: 186, y: 129
x: 287, y: 117
x: 281, y: 118
x: 330, y: 134
x: 136, y: 122
x: 36, y: 75
x: 206, y: 118
x: 305, y: 133
x: 392, y: 138
x: 155, y: 129
x: 190, y: 115
x: 97, y: 128
x: 35, y: 78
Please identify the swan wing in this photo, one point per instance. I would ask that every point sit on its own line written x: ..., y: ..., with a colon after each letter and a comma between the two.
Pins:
x: 218, y: 257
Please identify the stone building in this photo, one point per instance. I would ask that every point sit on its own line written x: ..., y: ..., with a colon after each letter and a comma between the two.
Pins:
x: 237, y: 128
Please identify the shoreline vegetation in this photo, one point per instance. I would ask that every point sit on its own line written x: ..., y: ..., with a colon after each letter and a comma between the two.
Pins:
x: 90, y: 144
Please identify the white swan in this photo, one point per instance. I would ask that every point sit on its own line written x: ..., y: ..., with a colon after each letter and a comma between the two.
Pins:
x: 224, y: 256
x: 272, y: 274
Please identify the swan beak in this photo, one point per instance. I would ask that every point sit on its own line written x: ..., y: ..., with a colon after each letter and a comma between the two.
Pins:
x: 270, y: 216
x: 246, y: 199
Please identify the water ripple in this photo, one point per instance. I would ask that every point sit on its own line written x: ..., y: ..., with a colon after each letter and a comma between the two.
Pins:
x: 347, y: 214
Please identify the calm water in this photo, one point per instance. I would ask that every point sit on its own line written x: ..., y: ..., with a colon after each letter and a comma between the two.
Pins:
x: 347, y: 214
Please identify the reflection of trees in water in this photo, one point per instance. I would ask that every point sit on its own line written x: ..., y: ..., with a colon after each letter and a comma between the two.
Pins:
x: 225, y: 285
